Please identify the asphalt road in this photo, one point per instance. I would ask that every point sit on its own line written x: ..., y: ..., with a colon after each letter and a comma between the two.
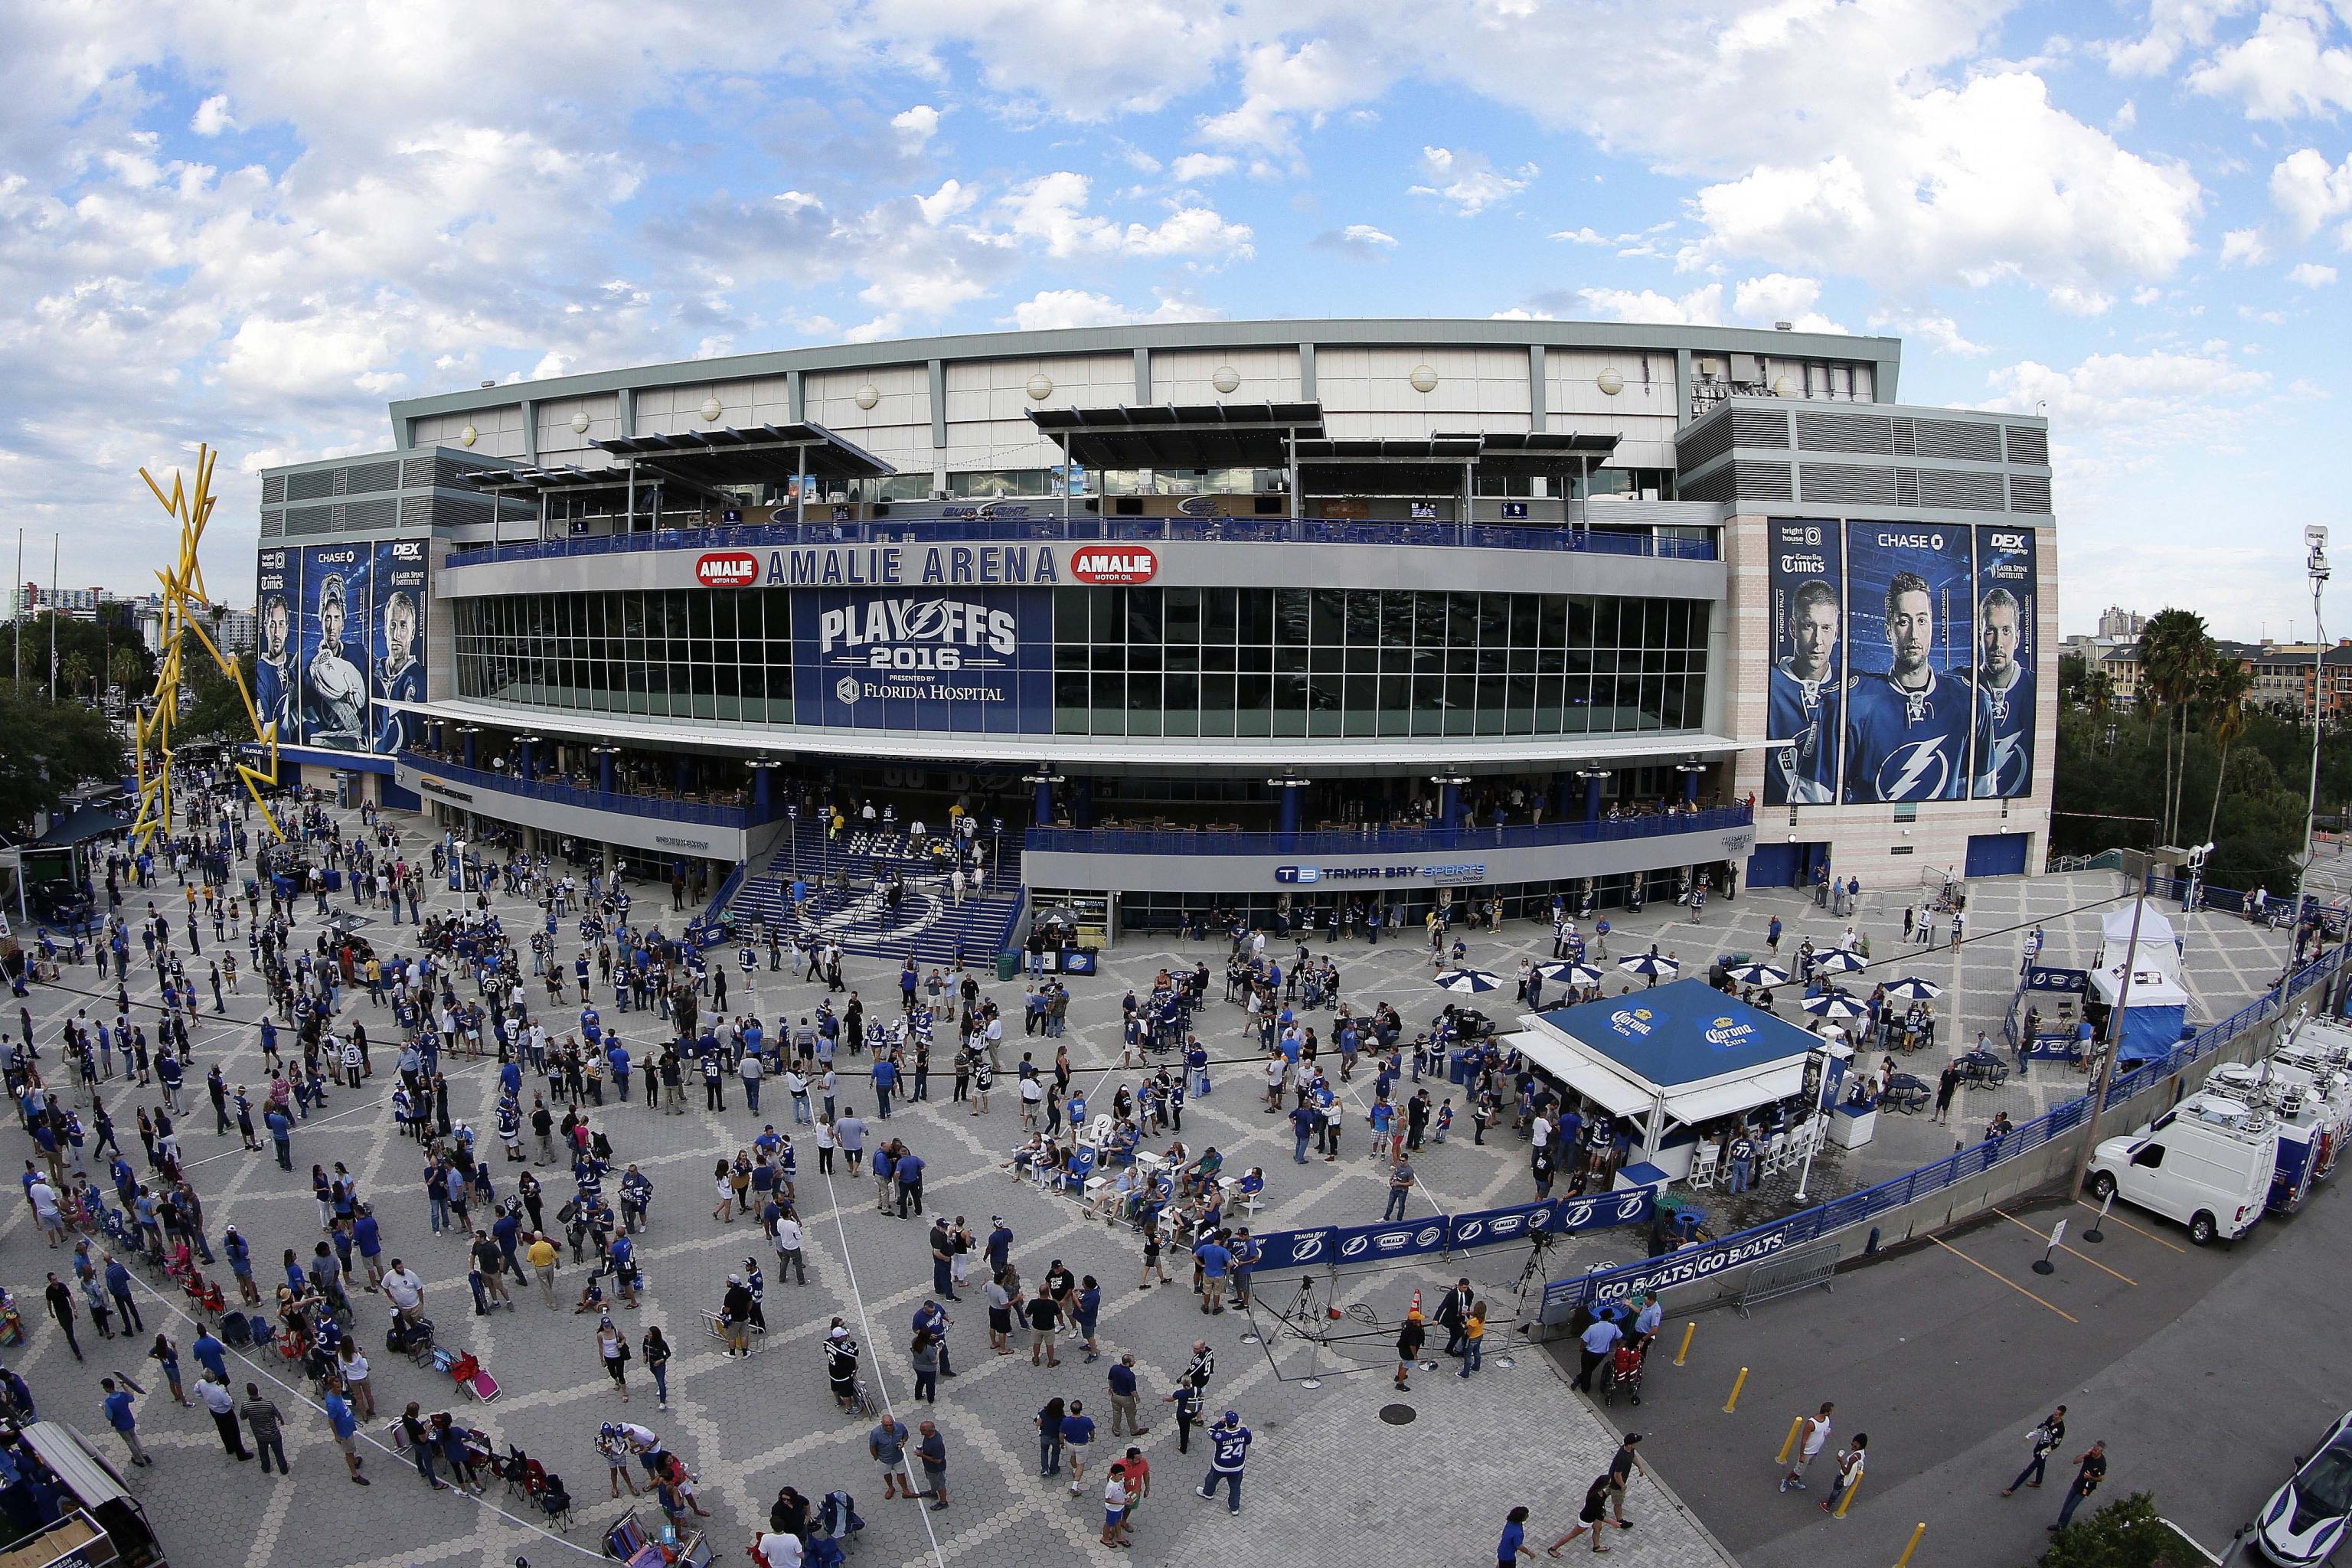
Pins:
x: 2206, y: 1371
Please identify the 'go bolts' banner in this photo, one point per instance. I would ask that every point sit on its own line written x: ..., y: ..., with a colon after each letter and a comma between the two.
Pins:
x: 1340, y: 1245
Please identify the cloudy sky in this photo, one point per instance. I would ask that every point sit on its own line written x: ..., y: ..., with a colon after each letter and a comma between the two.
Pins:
x: 255, y: 222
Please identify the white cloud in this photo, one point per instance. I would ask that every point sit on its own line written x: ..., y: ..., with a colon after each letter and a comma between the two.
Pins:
x: 2311, y: 193
x: 1078, y: 307
x: 2311, y: 275
x: 919, y: 124
x: 1360, y: 240
x: 1281, y: 85
x: 212, y: 116
x: 1778, y: 297
x: 2135, y: 405
x: 2286, y: 68
x: 2173, y: 26
x: 1940, y: 330
x: 1051, y: 208
x: 952, y: 196
x: 2146, y: 295
x: 2077, y: 301
x: 1700, y: 307
x: 1585, y: 235
x: 2243, y: 247
x: 1467, y: 182
x: 1194, y: 166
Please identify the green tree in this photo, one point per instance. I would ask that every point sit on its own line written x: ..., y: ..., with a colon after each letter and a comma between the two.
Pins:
x: 73, y: 672
x: 2126, y: 1533
x: 2175, y: 652
x: 129, y: 671
x: 46, y: 748
x: 2223, y: 695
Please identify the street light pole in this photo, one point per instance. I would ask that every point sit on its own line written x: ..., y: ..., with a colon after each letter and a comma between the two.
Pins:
x: 2107, y: 1061
x: 2315, y: 537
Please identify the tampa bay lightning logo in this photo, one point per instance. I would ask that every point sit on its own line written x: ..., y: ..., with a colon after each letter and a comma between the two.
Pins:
x: 1307, y: 1248
x: 1918, y: 770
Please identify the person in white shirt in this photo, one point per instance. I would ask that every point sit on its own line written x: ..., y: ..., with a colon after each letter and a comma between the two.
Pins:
x: 776, y: 1550
x: 789, y: 1261
x: 404, y: 1290
x: 1114, y: 1530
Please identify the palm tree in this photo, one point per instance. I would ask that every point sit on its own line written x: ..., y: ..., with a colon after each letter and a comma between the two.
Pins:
x: 2175, y: 651
x: 73, y: 669
x: 2224, y: 698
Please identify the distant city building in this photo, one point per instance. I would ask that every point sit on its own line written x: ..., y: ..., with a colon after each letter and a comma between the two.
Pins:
x: 74, y: 604
x: 2120, y: 625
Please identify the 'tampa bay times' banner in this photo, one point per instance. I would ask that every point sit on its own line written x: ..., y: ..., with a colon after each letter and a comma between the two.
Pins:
x: 1808, y: 673
x: 1913, y: 721
x: 2007, y: 664
x: 1342, y: 1246
x: 395, y: 638
x: 968, y: 660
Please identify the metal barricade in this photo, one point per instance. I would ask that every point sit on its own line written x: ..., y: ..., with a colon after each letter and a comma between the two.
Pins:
x: 1789, y: 1273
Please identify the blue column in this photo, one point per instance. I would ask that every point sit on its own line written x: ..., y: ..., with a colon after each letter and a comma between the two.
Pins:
x: 1449, y: 808
x: 1563, y: 794
x: 604, y: 772
x: 1082, y: 803
x: 1289, y: 810
x: 684, y: 775
x: 1592, y: 799
x: 762, y: 792
x: 1690, y: 787
x: 1043, y: 805
x: 526, y: 749
x: 471, y: 739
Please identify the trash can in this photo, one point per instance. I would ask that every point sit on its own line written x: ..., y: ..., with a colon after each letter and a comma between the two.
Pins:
x: 1008, y: 966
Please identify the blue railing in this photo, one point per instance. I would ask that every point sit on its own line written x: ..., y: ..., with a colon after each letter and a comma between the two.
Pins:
x: 1693, y: 1264
x: 1377, y: 840
x: 1087, y: 529
x: 573, y: 795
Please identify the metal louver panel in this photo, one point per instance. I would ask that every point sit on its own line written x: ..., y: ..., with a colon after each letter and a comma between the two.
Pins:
x: 273, y: 523
x: 367, y: 478
x: 2029, y: 492
x: 1868, y: 434
x: 415, y: 511
x: 1704, y: 445
x: 415, y: 473
x: 1765, y: 427
x: 1960, y: 440
x: 316, y: 484
x: 303, y: 519
x: 1761, y: 481
x: 1907, y: 437
x: 1960, y: 490
x: 378, y: 513
x: 1715, y: 487
x: 1906, y: 487
x: 2028, y: 446
x: 273, y: 489
x: 1848, y: 484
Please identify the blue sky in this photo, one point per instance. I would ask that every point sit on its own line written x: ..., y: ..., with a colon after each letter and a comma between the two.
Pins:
x: 254, y: 223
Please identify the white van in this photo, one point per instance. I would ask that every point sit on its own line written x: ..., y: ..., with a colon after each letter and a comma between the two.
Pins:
x: 2207, y: 1162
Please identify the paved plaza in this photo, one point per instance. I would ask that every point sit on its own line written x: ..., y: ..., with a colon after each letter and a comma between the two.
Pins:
x: 1341, y: 1471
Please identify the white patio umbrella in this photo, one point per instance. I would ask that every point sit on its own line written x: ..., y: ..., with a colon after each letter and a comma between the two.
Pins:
x: 1651, y: 963
x: 1836, y: 1007
x: 1758, y: 974
x: 1911, y: 988
x: 1564, y: 974
x: 1468, y: 982
x: 1838, y: 961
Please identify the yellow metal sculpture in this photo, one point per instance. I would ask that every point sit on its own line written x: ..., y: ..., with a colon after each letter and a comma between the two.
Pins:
x: 184, y: 585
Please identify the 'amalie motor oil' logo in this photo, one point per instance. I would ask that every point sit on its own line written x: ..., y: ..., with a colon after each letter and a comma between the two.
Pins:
x: 1113, y: 564
x: 726, y: 569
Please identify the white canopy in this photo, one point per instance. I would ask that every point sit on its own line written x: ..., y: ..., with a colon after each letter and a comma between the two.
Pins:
x: 1580, y: 1070
x: 2159, y: 945
x: 2150, y: 986
x: 1624, y: 1093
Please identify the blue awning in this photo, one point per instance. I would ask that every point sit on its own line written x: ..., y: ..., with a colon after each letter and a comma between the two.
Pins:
x: 1682, y: 1033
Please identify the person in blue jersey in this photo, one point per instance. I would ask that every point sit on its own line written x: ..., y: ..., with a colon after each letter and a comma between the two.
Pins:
x: 273, y: 668
x: 2006, y: 689
x: 1229, y: 1443
x: 1804, y: 713
x: 399, y: 677
x: 1909, y: 733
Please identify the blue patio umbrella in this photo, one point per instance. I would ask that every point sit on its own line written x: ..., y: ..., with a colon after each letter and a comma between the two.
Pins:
x: 1911, y: 988
x: 1838, y: 961
x: 1468, y: 982
x: 1563, y: 974
x: 1656, y: 965
x: 1758, y: 974
x: 1836, y: 1007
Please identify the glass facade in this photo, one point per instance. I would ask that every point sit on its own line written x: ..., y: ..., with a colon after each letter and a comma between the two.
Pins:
x: 684, y: 653
x: 1211, y: 663
x: 1361, y: 662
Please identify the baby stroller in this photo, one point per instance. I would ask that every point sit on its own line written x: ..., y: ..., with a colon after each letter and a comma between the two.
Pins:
x: 1625, y: 1373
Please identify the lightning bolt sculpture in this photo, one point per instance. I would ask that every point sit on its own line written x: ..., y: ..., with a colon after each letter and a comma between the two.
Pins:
x: 183, y: 585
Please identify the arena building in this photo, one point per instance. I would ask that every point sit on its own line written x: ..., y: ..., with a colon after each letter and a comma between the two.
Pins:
x: 1304, y: 618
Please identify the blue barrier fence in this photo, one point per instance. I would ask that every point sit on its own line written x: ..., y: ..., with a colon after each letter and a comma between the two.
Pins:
x: 1093, y: 530
x: 573, y: 795
x: 1691, y: 1264
x: 1342, y: 1246
x: 1377, y: 840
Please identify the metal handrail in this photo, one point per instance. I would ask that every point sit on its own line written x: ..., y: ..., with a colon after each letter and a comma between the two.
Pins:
x: 1083, y: 530
x: 1374, y: 840
x: 590, y: 799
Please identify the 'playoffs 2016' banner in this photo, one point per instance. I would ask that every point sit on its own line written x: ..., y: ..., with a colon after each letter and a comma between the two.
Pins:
x: 2007, y: 665
x: 333, y: 627
x: 1912, y: 720
x: 276, y: 683
x: 396, y: 640
x: 1808, y: 664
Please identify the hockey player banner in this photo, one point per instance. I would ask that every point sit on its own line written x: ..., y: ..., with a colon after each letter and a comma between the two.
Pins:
x: 1808, y: 664
x: 1912, y: 719
x: 2007, y: 664
x: 276, y: 683
x: 396, y: 640
x: 333, y: 630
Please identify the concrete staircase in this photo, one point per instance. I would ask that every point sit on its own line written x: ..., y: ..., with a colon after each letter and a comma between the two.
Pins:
x: 926, y: 923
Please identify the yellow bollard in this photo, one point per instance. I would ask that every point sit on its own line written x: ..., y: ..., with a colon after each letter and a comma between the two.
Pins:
x: 1736, y: 1384
x: 1795, y: 1426
x: 1917, y: 1532
x: 1845, y: 1499
x: 1689, y: 1330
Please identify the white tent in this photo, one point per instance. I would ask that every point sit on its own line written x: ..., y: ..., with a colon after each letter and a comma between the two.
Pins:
x: 2159, y: 945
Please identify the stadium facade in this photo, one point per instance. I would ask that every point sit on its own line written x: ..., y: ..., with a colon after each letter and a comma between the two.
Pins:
x: 1285, y: 616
